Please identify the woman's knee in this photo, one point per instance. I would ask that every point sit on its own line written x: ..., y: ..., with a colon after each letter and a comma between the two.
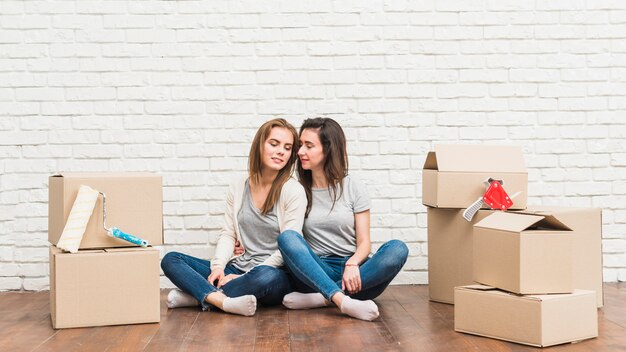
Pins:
x: 396, y: 253
x: 288, y: 239
x: 169, y: 259
x: 399, y: 249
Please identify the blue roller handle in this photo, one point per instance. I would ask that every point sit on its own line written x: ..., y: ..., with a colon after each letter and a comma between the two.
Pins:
x: 128, y: 237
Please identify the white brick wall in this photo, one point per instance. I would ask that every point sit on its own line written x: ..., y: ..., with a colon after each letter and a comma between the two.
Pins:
x: 179, y: 87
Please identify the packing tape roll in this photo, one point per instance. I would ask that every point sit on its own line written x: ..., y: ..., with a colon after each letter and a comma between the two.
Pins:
x: 77, y: 221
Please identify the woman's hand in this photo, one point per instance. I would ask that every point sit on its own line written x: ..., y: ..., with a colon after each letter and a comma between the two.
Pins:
x: 238, y: 248
x: 351, y: 280
x: 226, y: 279
x: 217, y: 274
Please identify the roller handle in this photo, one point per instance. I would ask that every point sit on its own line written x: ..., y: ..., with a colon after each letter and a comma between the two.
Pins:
x: 115, y: 232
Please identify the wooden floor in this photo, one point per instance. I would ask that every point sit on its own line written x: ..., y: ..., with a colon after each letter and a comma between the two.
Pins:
x: 408, y: 322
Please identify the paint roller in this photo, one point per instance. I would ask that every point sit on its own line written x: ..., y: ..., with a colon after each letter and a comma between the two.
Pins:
x: 115, y: 232
x: 79, y: 217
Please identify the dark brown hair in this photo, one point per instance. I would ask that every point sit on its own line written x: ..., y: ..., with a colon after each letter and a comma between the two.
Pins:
x: 335, y: 158
x: 255, y: 161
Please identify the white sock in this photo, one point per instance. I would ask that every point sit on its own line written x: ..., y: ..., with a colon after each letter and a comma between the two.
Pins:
x: 297, y: 300
x: 364, y: 310
x: 243, y: 305
x: 177, y: 298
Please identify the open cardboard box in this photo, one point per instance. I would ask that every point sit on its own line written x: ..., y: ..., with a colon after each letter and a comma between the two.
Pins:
x: 537, y: 320
x: 134, y: 205
x: 450, y: 248
x: 454, y: 175
x: 586, y: 225
x: 522, y: 253
x: 104, y: 287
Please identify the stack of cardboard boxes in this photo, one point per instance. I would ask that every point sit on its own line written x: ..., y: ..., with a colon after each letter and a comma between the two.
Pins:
x: 539, y: 269
x: 109, y: 281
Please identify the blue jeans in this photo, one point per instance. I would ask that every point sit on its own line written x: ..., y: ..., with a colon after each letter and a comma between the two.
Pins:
x: 324, y: 274
x: 266, y: 283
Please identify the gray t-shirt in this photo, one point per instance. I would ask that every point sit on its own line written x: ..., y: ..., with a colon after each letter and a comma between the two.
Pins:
x: 332, y: 232
x: 258, y: 233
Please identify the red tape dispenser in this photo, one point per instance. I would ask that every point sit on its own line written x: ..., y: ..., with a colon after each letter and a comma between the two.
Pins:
x: 495, y: 197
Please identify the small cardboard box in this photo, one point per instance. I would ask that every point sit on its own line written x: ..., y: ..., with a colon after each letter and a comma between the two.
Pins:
x: 586, y: 225
x: 454, y: 175
x: 134, y: 202
x: 450, y: 249
x: 104, y: 287
x: 538, y: 320
x: 525, y: 254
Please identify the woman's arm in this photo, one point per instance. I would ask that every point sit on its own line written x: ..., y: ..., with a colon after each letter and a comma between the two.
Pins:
x: 351, y: 280
x: 228, y: 237
x: 295, y: 207
x: 293, y: 217
x: 363, y: 241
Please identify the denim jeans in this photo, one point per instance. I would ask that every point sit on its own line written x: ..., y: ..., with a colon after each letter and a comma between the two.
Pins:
x: 266, y: 283
x: 324, y: 274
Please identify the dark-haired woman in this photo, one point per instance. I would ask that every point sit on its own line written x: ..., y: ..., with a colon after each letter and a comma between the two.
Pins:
x: 331, y: 263
x: 259, y: 207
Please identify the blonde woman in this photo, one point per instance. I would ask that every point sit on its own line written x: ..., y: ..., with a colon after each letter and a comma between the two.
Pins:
x: 260, y: 206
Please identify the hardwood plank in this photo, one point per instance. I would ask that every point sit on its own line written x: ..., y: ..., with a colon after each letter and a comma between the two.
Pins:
x: 387, y: 296
x: 8, y: 301
x: 175, y: 324
x: 26, y: 301
x: 408, y: 322
x: 27, y: 327
x: 434, y: 332
x: 324, y: 328
x: 614, y: 308
x: 82, y: 339
x: 218, y: 331
x: 272, y: 330
x: 401, y: 325
x: 133, y: 337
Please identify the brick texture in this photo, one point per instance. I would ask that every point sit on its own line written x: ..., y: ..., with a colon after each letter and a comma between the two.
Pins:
x: 179, y: 87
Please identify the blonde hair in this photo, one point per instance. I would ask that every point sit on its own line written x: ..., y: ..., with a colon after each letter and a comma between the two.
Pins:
x: 255, y: 160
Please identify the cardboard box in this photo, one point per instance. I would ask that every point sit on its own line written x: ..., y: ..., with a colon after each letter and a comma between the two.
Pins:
x: 586, y: 225
x: 453, y: 175
x: 134, y: 205
x: 522, y: 253
x: 104, y: 287
x: 450, y: 251
x: 538, y: 320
